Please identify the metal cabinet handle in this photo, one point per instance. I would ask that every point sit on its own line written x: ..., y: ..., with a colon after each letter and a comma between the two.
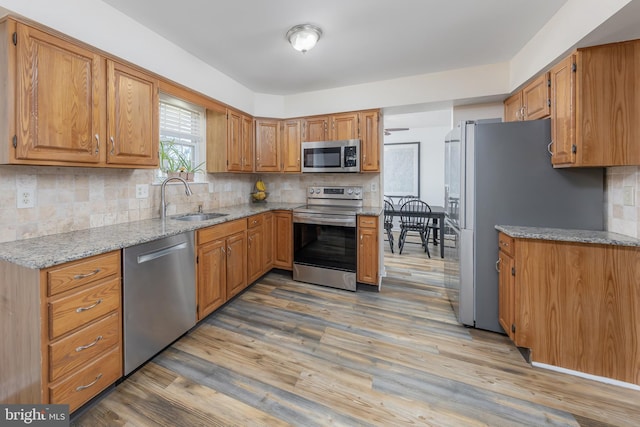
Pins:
x: 86, y: 346
x: 505, y: 244
x: 498, y: 265
x: 84, y: 276
x: 113, y: 145
x: 97, y: 143
x: 549, y: 148
x: 82, y: 387
x: 223, y: 251
x: 229, y: 250
x: 81, y: 309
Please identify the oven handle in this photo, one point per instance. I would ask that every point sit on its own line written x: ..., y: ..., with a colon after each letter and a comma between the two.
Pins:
x: 342, y: 221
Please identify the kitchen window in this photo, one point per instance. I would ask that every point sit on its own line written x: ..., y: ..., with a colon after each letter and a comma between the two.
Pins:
x: 182, y: 125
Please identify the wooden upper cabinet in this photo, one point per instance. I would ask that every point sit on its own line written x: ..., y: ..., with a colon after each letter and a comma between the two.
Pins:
x: 563, y: 112
x: 59, y: 100
x: 290, y: 150
x: 316, y: 128
x: 133, y: 126
x: 370, y: 134
x: 240, y: 140
x: 595, y: 103
x: 344, y: 126
x: 513, y: 107
x: 536, y: 98
x: 530, y: 103
x: 267, y: 145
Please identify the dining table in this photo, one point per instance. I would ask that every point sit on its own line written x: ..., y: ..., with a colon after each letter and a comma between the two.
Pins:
x: 437, y: 214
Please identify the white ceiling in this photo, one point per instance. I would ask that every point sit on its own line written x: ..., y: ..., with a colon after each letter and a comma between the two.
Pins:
x: 363, y: 40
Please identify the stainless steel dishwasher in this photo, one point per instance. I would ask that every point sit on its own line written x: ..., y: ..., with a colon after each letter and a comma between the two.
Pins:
x: 159, y: 296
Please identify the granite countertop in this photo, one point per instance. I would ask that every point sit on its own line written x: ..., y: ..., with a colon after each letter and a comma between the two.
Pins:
x: 47, y: 251
x: 569, y: 235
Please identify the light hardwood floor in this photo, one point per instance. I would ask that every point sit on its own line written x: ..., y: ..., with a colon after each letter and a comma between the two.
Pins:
x: 287, y: 353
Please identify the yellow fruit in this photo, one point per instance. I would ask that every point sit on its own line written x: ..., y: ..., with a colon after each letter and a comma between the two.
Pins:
x: 260, y: 185
x: 259, y: 195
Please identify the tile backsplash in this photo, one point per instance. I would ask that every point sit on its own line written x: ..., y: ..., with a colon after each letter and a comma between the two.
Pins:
x: 69, y: 199
x: 623, y: 216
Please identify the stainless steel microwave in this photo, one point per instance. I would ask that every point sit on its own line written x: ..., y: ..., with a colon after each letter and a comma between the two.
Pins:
x: 331, y: 156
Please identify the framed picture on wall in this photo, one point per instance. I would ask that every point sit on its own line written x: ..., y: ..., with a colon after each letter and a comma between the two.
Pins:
x: 402, y: 169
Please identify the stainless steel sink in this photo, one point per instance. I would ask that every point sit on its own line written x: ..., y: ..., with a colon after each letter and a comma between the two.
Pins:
x: 199, y: 216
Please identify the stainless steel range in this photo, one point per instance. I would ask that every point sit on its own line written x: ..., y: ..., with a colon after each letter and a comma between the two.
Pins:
x: 324, y: 237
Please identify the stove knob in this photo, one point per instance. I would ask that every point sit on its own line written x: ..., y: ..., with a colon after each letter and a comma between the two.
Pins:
x: 357, y: 191
x: 311, y: 191
x: 350, y: 191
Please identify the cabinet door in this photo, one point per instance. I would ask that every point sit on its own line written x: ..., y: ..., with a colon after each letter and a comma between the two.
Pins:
x: 367, y: 269
x: 234, y: 141
x: 291, y: 139
x: 248, y: 141
x: 267, y: 146
x: 563, y: 112
x: 236, y: 263
x: 513, y: 108
x: 369, y: 123
x: 283, y: 240
x: 133, y: 127
x: 536, y: 98
x: 316, y: 129
x: 60, y: 100
x: 212, y: 277
x: 344, y: 126
x: 267, y: 248
x: 255, y: 261
x: 506, y: 293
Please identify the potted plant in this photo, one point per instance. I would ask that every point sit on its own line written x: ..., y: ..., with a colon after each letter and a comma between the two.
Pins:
x: 175, y: 164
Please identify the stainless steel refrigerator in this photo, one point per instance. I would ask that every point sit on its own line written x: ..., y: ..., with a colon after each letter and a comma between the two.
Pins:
x: 501, y: 173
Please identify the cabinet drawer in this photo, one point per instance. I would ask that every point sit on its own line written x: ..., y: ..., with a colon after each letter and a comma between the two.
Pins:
x: 506, y: 243
x: 367, y: 221
x: 220, y: 231
x: 88, y: 382
x: 70, y: 353
x: 255, y: 221
x: 68, y: 276
x: 68, y: 313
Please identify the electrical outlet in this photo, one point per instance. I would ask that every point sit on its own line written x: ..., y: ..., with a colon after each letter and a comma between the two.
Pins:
x: 142, y: 191
x: 374, y: 187
x: 627, y: 196
x: 26, y: 198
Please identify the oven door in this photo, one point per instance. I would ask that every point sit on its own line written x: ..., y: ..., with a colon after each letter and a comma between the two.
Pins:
x: 325, y: 251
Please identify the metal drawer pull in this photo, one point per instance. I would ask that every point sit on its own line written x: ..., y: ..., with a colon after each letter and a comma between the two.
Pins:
x: 113, y: 145
x: 84, y: 276
x: 82, y: 387
x: 86, y: 346
x: 81, y: 309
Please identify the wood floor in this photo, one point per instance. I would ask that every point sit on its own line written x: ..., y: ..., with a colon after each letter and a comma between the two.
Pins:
x: 287, y: 353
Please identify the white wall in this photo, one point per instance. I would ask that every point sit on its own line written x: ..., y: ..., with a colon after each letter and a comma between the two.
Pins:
x: 431, y: 159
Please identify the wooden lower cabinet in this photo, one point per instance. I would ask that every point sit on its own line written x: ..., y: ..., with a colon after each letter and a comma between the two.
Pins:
x: 576, y: 306
x: 221, y: 264
x: 506, y: 285
x: 283, y: 240
x: 62, y: 331
x: 368, y: 250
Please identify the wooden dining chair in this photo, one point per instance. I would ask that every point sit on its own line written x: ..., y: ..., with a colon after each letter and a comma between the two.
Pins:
x: 414, y: 218
x: 388, y: 222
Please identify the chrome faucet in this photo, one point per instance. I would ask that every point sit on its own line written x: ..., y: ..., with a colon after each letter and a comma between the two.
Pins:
x: 163, y: 204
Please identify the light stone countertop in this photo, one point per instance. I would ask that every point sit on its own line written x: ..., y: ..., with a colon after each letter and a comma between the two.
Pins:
x: 47, y: 251
x: 569, y: 235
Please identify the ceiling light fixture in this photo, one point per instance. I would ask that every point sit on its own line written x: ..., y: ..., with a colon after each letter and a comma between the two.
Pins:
x: 304, y: 37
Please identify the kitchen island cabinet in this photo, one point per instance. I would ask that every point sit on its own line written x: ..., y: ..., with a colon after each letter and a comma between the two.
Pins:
x: 575, y: 300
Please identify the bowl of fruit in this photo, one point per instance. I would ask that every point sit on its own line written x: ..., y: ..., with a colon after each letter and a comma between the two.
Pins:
x: 260, y: 192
